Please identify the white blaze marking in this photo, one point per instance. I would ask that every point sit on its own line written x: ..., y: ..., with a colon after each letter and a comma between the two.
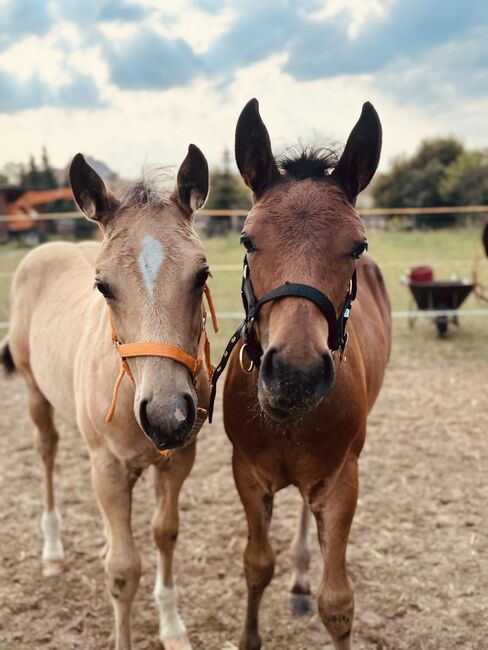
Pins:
x: 179, y: 417
x: 51, y: 528
x: 170, y: 623
x: 150, y: 259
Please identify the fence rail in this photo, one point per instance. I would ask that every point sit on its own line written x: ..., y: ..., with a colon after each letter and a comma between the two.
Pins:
x: 475, y: 210
x: 237, y: 315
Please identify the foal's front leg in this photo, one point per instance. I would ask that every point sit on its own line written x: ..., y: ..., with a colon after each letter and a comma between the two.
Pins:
x: 334, y: 513
x: 259, y: 559
x: 300, y: 586
x: 113, y: 483
x: 169, y: 477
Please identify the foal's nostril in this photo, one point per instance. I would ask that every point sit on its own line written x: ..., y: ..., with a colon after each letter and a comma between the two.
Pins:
x: 268, y: 362
x: 329, y: 370
x: 185, y: 413
x: 143, y: 415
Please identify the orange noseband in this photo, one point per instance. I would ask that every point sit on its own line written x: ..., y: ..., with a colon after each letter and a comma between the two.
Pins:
x: 192, y: 364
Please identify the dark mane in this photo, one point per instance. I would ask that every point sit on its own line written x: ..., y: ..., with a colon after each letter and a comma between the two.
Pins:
x: 309, y: 162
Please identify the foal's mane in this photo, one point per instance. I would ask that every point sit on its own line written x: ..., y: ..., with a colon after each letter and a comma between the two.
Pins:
x: 309, y: 162
x: 152, y: 191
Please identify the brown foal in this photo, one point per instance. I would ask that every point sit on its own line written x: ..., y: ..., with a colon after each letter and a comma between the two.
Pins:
x: 299, y: 416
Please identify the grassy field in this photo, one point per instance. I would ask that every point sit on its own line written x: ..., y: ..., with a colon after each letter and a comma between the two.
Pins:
x: 451, y: 252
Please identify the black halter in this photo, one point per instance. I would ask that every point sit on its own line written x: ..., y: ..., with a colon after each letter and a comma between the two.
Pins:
x: 337, y: 339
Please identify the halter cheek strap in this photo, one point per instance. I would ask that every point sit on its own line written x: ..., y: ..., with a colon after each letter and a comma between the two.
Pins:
x: 192, y: 364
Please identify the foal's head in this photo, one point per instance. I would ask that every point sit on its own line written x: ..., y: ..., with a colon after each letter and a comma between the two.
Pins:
x: 151, y: 271
x: 302, y: 228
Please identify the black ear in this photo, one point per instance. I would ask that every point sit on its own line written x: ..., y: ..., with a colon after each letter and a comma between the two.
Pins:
x: 90, y: 193
x: 192, y: 180
x: 361, y: 154
x: 254, y: 157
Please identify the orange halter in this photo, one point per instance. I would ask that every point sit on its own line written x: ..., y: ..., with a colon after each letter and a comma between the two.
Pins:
x: 193, y: 364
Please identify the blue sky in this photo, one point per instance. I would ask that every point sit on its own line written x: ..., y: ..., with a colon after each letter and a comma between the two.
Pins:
x: 134, y: 81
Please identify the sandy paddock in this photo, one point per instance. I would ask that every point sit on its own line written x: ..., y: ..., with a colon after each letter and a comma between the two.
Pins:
x: 418, y: 552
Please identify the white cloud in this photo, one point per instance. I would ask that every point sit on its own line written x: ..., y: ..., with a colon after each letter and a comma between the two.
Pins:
x: 154, y: 128
x: 138, y: 128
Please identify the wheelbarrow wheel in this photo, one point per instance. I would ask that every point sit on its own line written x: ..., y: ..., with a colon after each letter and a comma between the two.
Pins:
x: 441, y: 324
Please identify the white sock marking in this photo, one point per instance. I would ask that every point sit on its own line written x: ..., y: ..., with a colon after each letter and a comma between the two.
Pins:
x: 170, y: 623
x: 150, y: 259
x: 51, y: 528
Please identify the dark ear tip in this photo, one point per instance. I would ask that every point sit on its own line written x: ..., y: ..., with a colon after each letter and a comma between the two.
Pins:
x: 194, y: 150
x: 370, y: 111
x: 252, y: 106
x: 77, y: 164
x: 78, y: 159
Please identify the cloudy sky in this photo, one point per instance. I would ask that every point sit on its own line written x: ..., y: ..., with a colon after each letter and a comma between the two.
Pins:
x: 132, y: 82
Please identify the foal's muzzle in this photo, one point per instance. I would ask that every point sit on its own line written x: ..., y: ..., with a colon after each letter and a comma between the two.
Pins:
x: 168, y: 424
x: 286, y: 391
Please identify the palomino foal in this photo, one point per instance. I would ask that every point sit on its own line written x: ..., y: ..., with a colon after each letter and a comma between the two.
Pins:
x: 299, y: 415
x: 150, y: 273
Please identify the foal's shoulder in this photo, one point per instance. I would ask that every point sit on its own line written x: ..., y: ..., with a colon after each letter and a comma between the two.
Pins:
x: 369, y: 268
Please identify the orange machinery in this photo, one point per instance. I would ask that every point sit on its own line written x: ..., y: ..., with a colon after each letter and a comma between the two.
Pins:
x: 24, y: 206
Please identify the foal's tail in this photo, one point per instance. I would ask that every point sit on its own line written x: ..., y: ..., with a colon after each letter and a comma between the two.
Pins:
x: 6, y: 357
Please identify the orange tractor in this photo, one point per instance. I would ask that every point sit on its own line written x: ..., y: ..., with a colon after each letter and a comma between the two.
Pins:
x: 23, y: 209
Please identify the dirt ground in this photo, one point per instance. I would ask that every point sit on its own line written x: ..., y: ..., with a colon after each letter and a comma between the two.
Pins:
x: 418, y: 551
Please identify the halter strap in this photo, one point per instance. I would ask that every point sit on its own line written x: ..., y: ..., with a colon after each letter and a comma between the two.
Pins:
x: 165, y: 350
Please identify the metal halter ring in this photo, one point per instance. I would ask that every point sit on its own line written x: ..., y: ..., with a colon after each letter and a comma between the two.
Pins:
x: 250, y: 368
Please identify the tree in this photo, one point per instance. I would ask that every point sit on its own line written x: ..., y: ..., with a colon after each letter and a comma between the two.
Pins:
x: 227, y: 192
x: 31, y: 178
x: 47, y: 177
x: 416, y: 181
x: 465, y: 181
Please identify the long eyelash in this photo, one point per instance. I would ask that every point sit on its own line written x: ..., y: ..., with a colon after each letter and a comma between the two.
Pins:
x: 248, y: 244
x: 359, y: 250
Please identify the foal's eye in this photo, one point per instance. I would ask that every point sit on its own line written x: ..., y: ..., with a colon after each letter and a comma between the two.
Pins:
x: 248, y: 244
x: 104, y: 290
x: 359, y: 249
x: 201, y: 277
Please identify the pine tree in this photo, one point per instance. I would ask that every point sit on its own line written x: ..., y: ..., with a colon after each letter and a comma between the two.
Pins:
x: 47, y: 179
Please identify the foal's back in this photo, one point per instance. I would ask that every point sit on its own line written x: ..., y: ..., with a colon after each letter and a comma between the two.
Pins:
x: 52, y: 305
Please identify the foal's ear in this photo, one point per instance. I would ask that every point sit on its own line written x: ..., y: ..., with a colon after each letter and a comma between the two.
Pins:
x: 91, y: 195
x: 254, y: 157
x: 361, y: 155
x: 192, y: 180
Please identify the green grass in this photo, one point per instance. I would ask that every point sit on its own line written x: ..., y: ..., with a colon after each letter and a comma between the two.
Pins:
x: 448, y: 251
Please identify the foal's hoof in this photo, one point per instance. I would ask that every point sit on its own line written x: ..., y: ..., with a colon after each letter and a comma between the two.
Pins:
x: 52, y: 568
x: 301, y: 604
x: 177, y: 643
